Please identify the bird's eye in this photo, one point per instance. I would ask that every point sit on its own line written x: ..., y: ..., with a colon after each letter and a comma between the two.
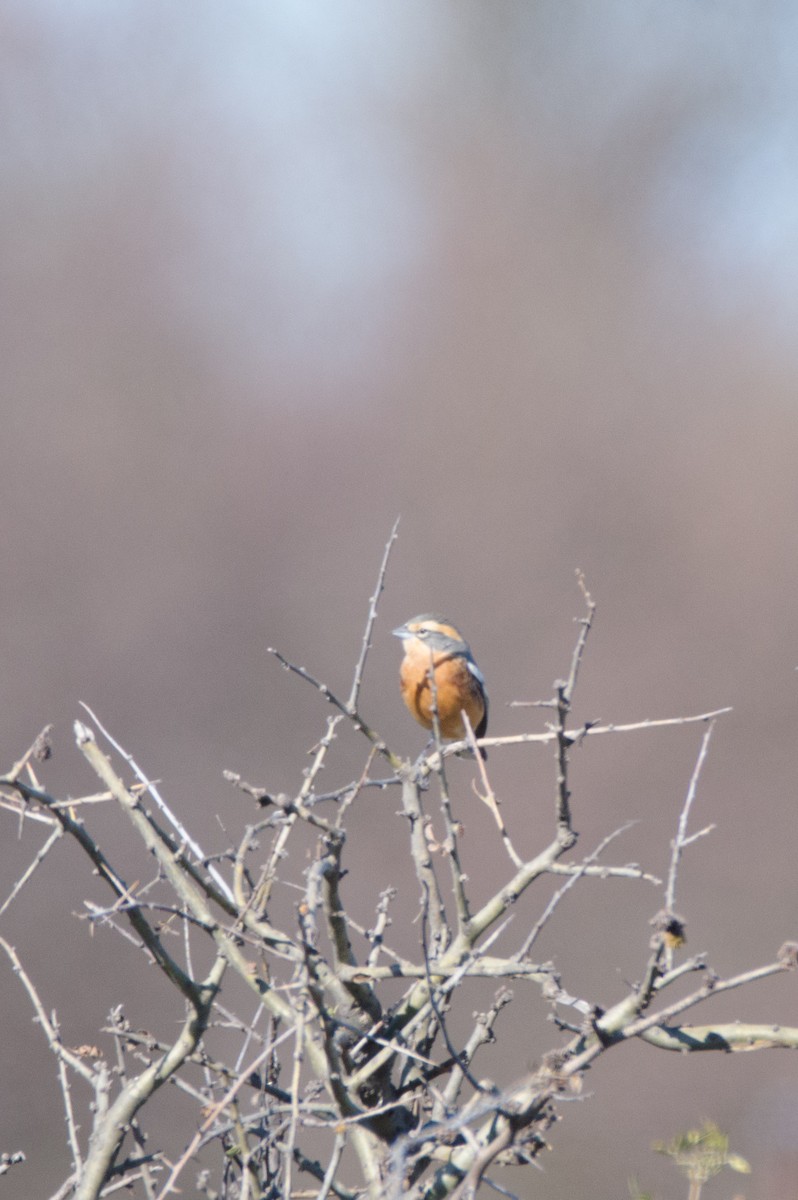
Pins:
x: 423, y: 633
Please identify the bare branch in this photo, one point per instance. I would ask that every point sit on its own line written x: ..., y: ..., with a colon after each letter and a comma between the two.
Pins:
x: 558, y: 895
x: 355, y: 718
x: 151, y: 788
x: 41, y: 855
x: 681, y: 840
x: 354, y: 695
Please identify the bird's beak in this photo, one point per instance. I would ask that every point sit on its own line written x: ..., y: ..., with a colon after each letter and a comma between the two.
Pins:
x: 401, y: 632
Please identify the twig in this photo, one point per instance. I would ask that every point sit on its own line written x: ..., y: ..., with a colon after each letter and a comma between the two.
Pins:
x: 69, y: 1112
x: 435, y: 998
x: 563, y: 703
x: 50, y: 1030
x: 358, y: 722
x: 261, y: 893
x: 376, y: 935
x: 480, y: 966
x: 335, y: 1160
x: 681, y: 840
x: 315, y: 1169
x: 482, y: 1033
x: 349, y: 796
x: 563, y: 805
x: 419, y: 850
x: 296, y: 1075
x: 590, y: 730
x: 351, y: 703
x: 213, y: 1113
x: 585, y: 624
x: 489, y: 796
x: 600, y: 871
x: 558, y: 895
x: 174, y: 821
x: 37, y: 861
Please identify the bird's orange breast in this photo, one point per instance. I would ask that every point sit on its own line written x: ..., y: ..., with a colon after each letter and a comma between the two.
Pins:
x: 456, y: 691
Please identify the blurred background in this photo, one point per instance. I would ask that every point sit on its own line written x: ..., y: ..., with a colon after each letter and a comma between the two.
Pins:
x: 523, y: 274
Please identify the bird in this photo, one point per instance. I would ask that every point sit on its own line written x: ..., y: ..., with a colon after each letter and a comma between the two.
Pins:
x: 431, y: 642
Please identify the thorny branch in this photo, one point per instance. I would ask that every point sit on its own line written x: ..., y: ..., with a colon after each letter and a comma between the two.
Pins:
x: 350, y: 1074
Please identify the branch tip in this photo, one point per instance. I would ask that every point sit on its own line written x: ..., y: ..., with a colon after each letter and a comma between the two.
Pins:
x: 83, y: 735
x: 788, y: 955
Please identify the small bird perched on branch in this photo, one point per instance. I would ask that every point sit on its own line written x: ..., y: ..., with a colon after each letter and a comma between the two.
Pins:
x: 433, y: 644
